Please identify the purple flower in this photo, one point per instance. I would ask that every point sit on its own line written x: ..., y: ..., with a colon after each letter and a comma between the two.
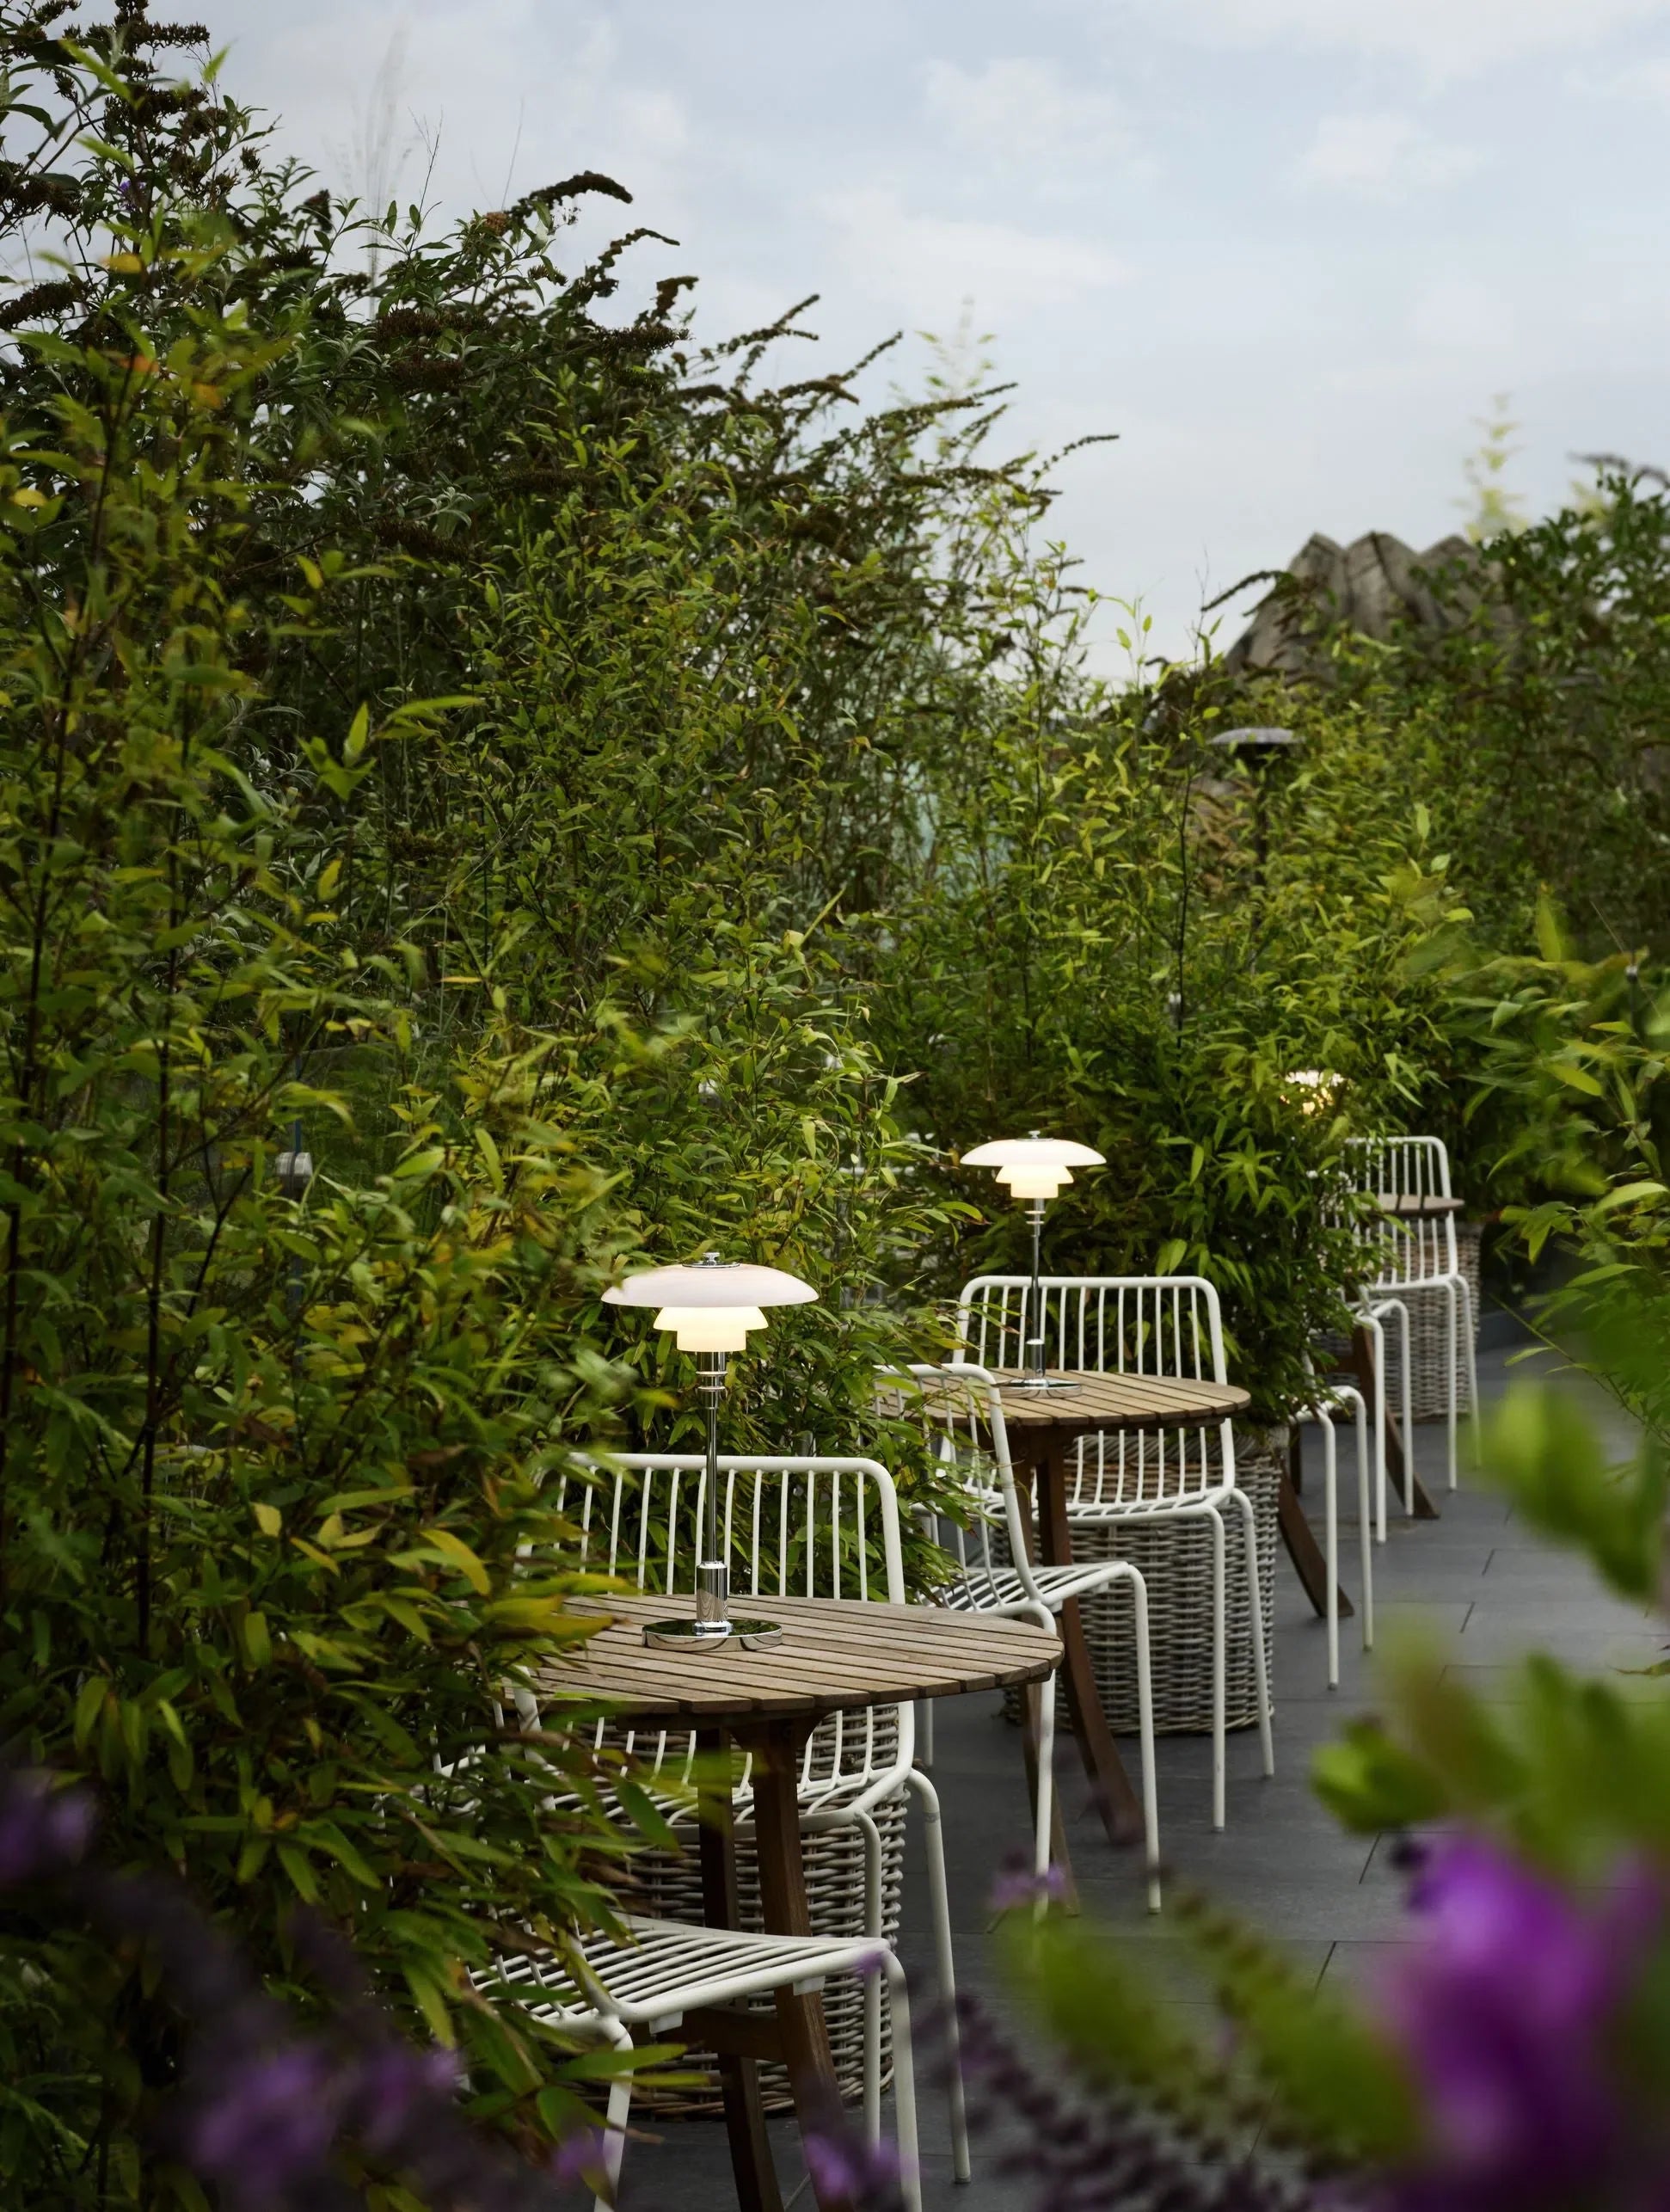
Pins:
x: 1506, y: 2012
x: 395, y: 2085
x: 844, y: 2165
x: 43, y: 1830
x: 263, y: 2122
x: 1016, y: 1885
x: 579, y: 2157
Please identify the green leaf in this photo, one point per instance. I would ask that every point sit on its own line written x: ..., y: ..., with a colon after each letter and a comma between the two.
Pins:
x: 430, y: 1996
x: 459, y: 1553
x: 1542, y: 1446
x: 90, y: 1701
x: 294, y: 1861
x: 1370, y: 1782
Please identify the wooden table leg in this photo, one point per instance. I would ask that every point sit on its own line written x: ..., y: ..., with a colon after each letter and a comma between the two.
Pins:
x: 1303, y: 1548
x: 757, y: 2189
x: 1110, y: 1785
x: 1362, y: 1365
x: 801, y: 2025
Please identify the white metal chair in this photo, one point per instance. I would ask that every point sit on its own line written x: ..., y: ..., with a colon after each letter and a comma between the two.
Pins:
x: 1330, y: 1400
x: 964, y: 1414
x: 1371, y: 1311
x: 621, y: 1992
x: 799, y: 1526
x: 1141, y: 1324
x: 1410, y: 1255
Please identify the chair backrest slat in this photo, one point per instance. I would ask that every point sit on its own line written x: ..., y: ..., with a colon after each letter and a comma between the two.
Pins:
x: 798, y: 1524
x: 1400, y: 1250
x: 1168, y: 1325
x: 962, y: 1419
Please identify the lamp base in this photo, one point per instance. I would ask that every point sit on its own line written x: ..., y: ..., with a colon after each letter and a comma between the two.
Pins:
x: 1046, y: 1382
x: 693, y: 1636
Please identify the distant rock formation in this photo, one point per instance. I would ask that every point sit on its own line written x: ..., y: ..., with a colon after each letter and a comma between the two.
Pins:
x: 1376, y: 585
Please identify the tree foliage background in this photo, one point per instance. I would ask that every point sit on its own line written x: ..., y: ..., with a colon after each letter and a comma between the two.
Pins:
x: 600, y: 803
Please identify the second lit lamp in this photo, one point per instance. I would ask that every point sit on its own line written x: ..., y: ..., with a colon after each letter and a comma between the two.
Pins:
x: 1035, y: 1169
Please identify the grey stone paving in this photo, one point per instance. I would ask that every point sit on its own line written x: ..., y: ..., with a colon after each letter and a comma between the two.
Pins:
x: 1478, y: 1583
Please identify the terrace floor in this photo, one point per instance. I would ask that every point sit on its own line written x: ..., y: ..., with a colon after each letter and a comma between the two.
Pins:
x: 1483, y: 1586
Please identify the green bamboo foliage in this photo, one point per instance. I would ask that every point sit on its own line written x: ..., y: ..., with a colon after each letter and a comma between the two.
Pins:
x: 611, y: 805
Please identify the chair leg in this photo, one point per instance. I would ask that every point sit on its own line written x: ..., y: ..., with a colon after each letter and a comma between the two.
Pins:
x: 614, y: 2139
x: 1151, y: 1795
x: 1045, y: 1812
x: 904, y: 2084
x: 1256, y: 1613
x: 1364, y: 1539
x: 1452, y: 1383
x: 939, y: 1906
x: 1219, y: 1640
x: 872, y: 1836
x: 1376, y: 1337
x: 1470, y: 1346
x: 1331, y: 1541
x: 1407, y: 1397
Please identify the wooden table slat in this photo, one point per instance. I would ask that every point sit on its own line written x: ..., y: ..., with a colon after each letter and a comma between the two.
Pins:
x: 837, y: 1655
x: 1110, y: 1401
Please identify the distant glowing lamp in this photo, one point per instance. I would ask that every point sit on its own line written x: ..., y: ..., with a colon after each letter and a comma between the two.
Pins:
x: 1312, y: 1090
x: 1035, y: 1169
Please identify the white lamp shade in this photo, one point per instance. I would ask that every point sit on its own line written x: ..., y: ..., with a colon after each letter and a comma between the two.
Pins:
x: 1040, y: 1181
x: 710, y: 1328
x: 1031, y: 1152
x: 731, y: 1283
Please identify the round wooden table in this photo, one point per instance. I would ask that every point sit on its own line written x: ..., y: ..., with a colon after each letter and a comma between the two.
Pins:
x: 837, y: 1655
x: 1043, y: 1425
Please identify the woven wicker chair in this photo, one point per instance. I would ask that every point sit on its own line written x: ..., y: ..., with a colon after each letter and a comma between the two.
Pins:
x: 805, y: 1526
x: 1408, y: 1257
x: 1141, y: 1324
x: 617, y: 1991
x: 964, y: 1415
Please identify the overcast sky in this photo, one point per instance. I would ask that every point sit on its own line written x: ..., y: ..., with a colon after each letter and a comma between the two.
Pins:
x: 1287, y: 250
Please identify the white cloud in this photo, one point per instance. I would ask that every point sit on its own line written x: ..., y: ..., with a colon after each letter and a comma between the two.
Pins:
x: 925, y: 266
x: 348, y: 75
x: 1445, y: 38
x: 1459, y: 316
x: 1384, y: 155
x: 1644, y: 80
x: 1020, y: 109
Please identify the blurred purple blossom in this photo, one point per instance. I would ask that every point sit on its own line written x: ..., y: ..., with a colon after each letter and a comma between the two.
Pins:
x: 45, y: 1829
x: 1016, y: 1885
x: 579, y: 2157
x: 273, y: 2111
x: 395, y: 2084
x: 1508, y: 2011
x: 262, y: 2123
x: 844, y: 2165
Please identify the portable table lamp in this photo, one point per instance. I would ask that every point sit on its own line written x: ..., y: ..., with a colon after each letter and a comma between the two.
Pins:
x: 711, y: 1308
x: 1035, y: 1169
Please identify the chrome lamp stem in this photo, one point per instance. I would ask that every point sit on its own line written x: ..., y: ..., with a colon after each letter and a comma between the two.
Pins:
x: 713, y: 1574
x: 1037, y: 1374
